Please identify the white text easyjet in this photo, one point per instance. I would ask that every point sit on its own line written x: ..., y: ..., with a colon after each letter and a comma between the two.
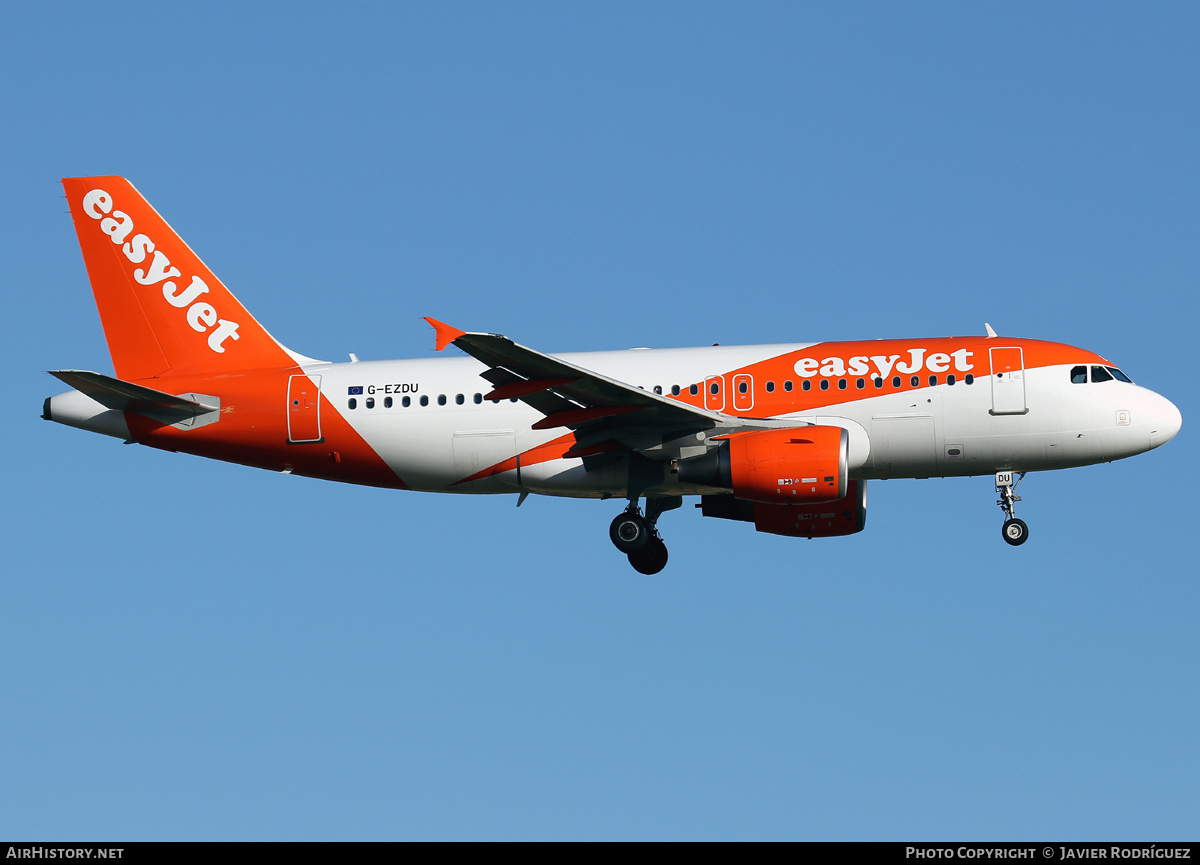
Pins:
x: 807, y: 367
x: 200, y: 316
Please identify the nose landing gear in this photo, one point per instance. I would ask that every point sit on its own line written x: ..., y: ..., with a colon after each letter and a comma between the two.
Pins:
x: 637, y: 537
x: 1014, y: 530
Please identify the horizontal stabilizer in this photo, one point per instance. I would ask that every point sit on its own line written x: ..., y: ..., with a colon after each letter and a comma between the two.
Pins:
x: 125, y: 396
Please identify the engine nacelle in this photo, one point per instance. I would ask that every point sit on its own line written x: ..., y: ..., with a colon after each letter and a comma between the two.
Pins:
x: 801, y: 464
x: 846, y: 516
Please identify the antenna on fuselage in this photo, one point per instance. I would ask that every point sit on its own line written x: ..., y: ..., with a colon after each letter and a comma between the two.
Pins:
x: 989, y: 329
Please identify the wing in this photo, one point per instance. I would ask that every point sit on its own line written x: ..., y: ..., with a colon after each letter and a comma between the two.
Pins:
x: 604, y: 413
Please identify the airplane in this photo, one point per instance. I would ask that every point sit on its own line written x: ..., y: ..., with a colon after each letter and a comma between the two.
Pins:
x: 782, y: 436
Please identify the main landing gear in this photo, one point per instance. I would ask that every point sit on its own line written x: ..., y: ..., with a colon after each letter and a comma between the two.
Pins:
x: 1015, y: 531
x: 637, y: 537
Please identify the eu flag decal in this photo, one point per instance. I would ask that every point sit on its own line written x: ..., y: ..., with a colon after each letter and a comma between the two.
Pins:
x: 355, y: 391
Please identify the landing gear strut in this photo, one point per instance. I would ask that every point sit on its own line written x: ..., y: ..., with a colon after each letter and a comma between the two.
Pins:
x: 637, y: 537
x: 1014, y: 530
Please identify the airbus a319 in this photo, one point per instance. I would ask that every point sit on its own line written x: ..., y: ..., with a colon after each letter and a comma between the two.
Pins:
x: 781, y: 436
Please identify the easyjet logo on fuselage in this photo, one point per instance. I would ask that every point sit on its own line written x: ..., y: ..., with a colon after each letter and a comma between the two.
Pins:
x: 201, y: 317
x: 918, y: 359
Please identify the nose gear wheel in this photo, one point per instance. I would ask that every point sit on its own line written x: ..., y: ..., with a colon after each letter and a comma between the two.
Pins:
x: 1015, y: 531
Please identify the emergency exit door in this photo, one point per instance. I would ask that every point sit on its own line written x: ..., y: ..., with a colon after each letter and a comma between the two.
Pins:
x: 743, y: 392
x: 1008, y: 380
x: 304, y: 408
x: 714, y: 393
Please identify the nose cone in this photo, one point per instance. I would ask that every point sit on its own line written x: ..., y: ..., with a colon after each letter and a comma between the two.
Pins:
x: 1165, y: 423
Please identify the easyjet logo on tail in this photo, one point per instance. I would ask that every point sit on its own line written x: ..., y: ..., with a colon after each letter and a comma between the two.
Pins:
x: 807, y: 367
x: 201, y: 317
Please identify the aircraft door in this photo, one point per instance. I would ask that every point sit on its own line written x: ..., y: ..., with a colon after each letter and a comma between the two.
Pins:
x: 304, y: 409
x: 743, y: 392
x: 714, y: 393
x: 1008, y: 380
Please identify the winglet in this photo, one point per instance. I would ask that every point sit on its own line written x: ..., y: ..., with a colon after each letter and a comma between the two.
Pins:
x: 445, y: 334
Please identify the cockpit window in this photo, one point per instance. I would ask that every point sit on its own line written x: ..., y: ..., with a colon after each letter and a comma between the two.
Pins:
x: 1079, y: 375
x: 1118, y: 375
x: 1099, y: 374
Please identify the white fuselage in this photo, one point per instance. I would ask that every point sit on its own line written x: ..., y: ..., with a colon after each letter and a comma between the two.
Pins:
x: 942, y: 430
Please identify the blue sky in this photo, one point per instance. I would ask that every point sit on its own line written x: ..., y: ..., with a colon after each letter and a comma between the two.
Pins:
x: 198, y: 650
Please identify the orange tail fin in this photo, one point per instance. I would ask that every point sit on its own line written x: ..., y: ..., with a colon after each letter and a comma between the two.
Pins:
x: 163, y: 311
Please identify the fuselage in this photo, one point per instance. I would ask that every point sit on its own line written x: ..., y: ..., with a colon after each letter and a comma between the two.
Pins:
x: 913, y: 408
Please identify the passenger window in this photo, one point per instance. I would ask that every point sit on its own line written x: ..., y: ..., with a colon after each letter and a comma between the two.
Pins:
x: 950, y: 379
x: 459, y: 399
x: 1079, y: 375
x: 352, y: 404
x: 841, y: 384
x: 714, y: 388
x: 915, y: 380
x: 478, y: 399
x: 424, y: 401
x: 742, y: 387
x: 770, y: 387
x: 406, y: 401
x: 824, y: 384
x: 1118, y: 375
x: 658, y: 389
x: 933, y: 381
x: 674, y: 390
x: 694, y: 389
x: 441, y: 399
x: 787, y: 385
x: 895, y: 381
x: 806, y: 384
x: 370, y: 402
x: 860, y: 384
x: 387, y: 402
x: 1100, y: 374
x: 969, y: 379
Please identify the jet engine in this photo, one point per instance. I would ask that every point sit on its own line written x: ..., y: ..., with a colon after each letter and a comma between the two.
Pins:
x: 807, y: 464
